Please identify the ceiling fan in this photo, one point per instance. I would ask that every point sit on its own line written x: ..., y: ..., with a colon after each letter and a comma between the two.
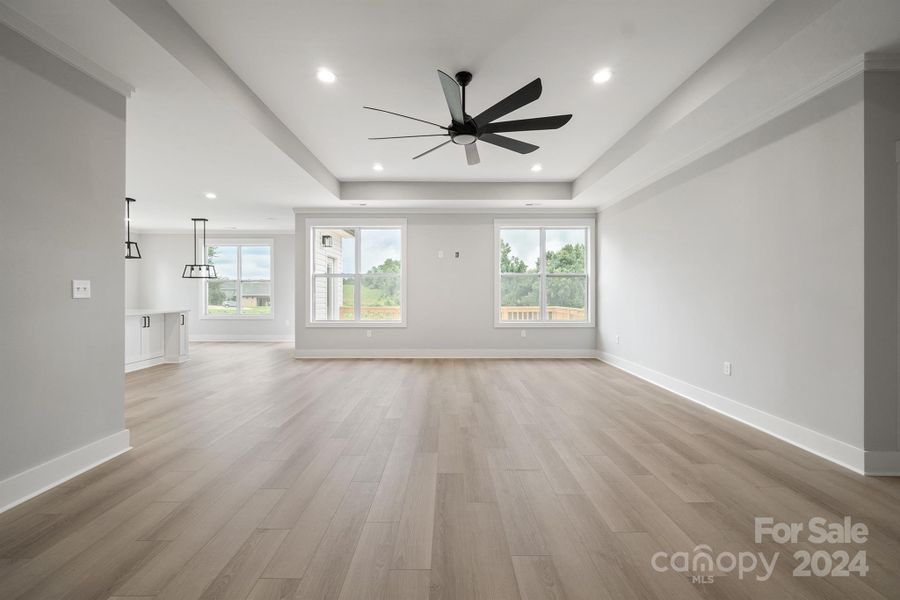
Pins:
x: 465, y: 130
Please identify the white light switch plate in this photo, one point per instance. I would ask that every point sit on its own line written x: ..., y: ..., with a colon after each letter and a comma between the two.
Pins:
x: 81, y: 288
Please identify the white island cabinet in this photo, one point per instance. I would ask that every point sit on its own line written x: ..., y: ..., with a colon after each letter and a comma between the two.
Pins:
x: 155, y: 336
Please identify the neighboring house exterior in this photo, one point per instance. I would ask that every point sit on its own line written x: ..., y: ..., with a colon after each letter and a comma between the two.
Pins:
x: 329, y: 291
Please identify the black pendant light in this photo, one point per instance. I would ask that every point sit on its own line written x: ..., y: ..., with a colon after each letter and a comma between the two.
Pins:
x: 131, y: 248
x: 199, y: 271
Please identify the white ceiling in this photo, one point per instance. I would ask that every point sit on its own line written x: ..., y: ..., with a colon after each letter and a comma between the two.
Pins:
x: 386, y: 53
x: 187, y: 136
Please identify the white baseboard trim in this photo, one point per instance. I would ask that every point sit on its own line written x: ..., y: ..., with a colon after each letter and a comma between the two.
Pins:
x: 144, y: 364
x: 37, y: 480
x: 841, y: 453
x: 445, y: 353
x: 230, y: 337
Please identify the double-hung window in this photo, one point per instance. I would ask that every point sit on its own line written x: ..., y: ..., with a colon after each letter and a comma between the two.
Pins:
x: 243, y: 288
x: 357, y: 272
x: 543, y: 272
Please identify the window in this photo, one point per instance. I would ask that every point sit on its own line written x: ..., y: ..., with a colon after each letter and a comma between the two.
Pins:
x: 357, y: 272
x: 244, y: 286
x: 543, y: 272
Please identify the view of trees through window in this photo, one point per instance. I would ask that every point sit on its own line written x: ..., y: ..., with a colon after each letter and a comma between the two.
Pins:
x: 351, y: 263
x: 244, y: 283
x: 530, y: 291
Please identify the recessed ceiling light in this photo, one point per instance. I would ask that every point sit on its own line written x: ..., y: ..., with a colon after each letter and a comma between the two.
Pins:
x: 536, y: 167
x: 210, y: 196
x: 603, y: 75
x: 325, y: 76
x: 378, y: 167
x: 532, y: 204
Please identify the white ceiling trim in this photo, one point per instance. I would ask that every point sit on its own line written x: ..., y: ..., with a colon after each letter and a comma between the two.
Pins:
x: 163, y: 23
x: 836, y: 77
x: 438, y: 210
x: 455, y: 190
x: 765, y: 34
x: 38, y: 35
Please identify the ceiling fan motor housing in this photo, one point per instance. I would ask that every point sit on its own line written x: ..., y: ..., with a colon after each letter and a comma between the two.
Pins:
x: 463, y: 78
x: 464, y: 134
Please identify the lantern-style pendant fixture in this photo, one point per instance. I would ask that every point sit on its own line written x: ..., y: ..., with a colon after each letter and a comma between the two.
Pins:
x: 131, y: 248
x: 197, y: 270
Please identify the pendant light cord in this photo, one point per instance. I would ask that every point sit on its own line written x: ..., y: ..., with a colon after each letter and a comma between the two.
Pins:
x: 195, y: 241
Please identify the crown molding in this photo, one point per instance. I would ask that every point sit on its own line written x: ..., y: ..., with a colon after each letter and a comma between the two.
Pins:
x: 436, y: 210
x: 69, y: 55
x: 455, y: 190
x: 879, y: 61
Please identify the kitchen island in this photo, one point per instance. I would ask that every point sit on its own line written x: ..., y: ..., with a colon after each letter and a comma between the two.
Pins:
x: 155, y: 336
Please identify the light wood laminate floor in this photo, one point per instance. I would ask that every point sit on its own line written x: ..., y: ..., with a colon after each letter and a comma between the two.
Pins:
x: 254, y: 475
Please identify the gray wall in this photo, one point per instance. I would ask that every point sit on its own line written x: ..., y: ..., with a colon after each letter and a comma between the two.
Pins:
x: 882, y: 131
x: 450, y: 302
x: 753, y: 255
x: 62, y: 168
x: 157, y: 283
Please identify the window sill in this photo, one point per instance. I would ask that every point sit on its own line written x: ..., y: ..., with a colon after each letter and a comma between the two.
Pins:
x: 357, y: 324
x: 542, y: 325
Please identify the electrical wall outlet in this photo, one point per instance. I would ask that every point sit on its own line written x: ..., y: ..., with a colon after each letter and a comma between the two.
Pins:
x: 726, y: 368
x: 368, y: 333
x: 524, y: 333
x: 456, y: 254
x: 617, y: 338
x: 440, y: 254
x: 81, y: 288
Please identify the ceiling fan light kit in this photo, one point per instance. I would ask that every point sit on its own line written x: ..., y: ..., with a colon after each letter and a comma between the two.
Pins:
x: 465, y: 130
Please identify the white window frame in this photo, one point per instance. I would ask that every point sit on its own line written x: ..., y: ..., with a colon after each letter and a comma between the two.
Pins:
x: 349, y: 223
x: 542, y: 225
x: 239, y: 242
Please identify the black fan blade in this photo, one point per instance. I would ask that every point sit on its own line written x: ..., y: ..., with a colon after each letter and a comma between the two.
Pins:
x: 432, y: 150
x: 508, y: 143
x: 554, y: 122
x: 451, y: 92
x: 406, y: 117
x: 400, y: 137
x: 472, y: 154
x: 516, y: 100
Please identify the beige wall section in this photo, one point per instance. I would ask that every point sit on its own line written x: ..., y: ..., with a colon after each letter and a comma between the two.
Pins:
x: 62, y: 168
x: 753, y: 255
x: 157, y: 283
x: 450, y: 302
